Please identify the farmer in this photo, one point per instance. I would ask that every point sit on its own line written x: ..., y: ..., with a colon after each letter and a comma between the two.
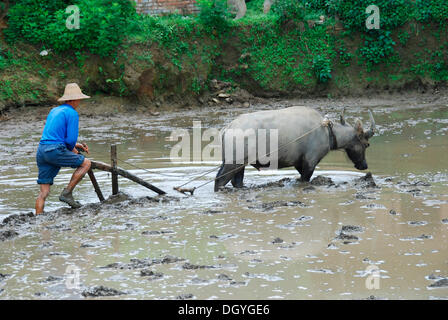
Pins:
x: 58, y: 148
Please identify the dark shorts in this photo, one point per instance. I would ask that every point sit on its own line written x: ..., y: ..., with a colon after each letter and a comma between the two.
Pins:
x: 51, y: 157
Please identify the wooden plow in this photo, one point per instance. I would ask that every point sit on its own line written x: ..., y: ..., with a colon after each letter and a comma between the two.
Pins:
x: 116, y: 171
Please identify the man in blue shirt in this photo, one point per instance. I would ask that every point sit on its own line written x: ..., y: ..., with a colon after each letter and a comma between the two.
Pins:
x: 58, y: 148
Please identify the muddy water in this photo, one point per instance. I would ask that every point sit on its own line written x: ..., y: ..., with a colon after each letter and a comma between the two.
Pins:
x: 276, y: 238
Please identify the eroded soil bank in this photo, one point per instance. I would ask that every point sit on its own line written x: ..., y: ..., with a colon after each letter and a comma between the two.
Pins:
x: 274, y: 238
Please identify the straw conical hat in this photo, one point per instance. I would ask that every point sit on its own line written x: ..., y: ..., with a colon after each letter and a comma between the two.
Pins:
x: 73, y: 92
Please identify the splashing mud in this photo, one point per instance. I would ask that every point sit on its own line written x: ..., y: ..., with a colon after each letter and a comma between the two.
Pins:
x: 274, y: 238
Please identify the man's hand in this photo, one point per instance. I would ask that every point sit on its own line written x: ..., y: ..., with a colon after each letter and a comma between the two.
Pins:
x: 83, y: 147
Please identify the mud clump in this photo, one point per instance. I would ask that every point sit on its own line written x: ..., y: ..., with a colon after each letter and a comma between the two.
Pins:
x: 117, y: 198
x: 351, y: 229
x: 151, y: 274
x: 3, y: 276
x: 411, y: 187
x: 223, y: 276
x: 420, y: 183
x: 366, y: 182
x: 415, y: 192
x: 93, y: 244
x: 157, y: 199
x: 322, y: 181
x: 277, y: 240
x: 142, y: 263
x: 52, y: 279
x: 346, y: 237
x: 18, y: 219
x: 345, y: 234
x: 280, y: 183
x: 268, y: 206
x: 417, y: 223
x: 185, y: 296
x: 224, y: 236
x: 7, y: 235
x: 211, y: 211
x: 155, y: 232
x: 171, y: 259
x: 442, y: 283
x: 363, y: 196
x: 101, y: 291
x: 372, y: 297
x: 189, y: 266
x: 40, y: 294
x: 421, y: 237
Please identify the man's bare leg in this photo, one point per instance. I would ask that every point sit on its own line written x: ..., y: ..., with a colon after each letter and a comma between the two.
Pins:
x: 40, y: 201
x: 79, y: 173
x: 66, y: 195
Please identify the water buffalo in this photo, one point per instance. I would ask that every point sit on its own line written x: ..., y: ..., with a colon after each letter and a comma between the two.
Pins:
x: 317, y: 136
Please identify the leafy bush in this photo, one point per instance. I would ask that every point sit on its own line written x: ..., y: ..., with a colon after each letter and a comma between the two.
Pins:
x: 103, y: 23
x: 436, y: 10
x: 378, y: 45
x: 6, y: 58
x: 322, y: 68
x: 214, y: 15
x: 289, y: 10
x: 393, y: 13
x: 3, y: 61
x: 344, y: 56
x: 440, y: 71
x: 403, y: 37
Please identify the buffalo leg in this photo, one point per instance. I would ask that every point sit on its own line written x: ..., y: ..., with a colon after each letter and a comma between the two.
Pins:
x: 306, y: 171
x: 225, y: 174
x: 237, y: 180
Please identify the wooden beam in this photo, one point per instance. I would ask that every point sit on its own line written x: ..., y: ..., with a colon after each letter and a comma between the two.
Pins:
x: 95, y: 185
x: 108, y: 168
x: 113, y: 160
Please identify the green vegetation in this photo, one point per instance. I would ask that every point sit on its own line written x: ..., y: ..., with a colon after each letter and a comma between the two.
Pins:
x: 288, y: 10
x: 288, y: 50
x: 104, y: 24
x: 214, y: 16
x: 322, y: 69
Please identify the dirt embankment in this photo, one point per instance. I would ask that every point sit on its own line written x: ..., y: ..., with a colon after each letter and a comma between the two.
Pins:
x: 144, y: 75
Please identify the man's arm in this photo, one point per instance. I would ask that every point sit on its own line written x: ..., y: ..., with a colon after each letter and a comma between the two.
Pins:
x: 72, y: 130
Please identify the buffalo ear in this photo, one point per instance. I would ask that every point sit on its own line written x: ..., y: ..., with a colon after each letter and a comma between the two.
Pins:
x: 358, y: 127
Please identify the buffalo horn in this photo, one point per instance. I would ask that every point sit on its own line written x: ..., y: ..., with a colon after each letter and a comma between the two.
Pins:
x: 371, y: 131
x: 342, y: 117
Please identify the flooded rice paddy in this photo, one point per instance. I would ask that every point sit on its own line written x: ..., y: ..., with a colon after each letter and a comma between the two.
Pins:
x: 344, y: 236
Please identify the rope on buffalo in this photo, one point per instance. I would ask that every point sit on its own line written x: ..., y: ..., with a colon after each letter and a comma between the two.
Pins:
x: 325, y: 123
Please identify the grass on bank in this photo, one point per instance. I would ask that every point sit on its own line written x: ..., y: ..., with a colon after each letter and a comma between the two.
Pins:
x: 277, y: 52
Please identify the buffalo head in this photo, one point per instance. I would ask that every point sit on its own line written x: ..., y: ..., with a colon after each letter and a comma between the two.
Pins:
x: 358, y: 142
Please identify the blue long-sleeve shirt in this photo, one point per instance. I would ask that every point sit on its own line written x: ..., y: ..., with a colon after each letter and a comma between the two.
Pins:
x: 61, y: 127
